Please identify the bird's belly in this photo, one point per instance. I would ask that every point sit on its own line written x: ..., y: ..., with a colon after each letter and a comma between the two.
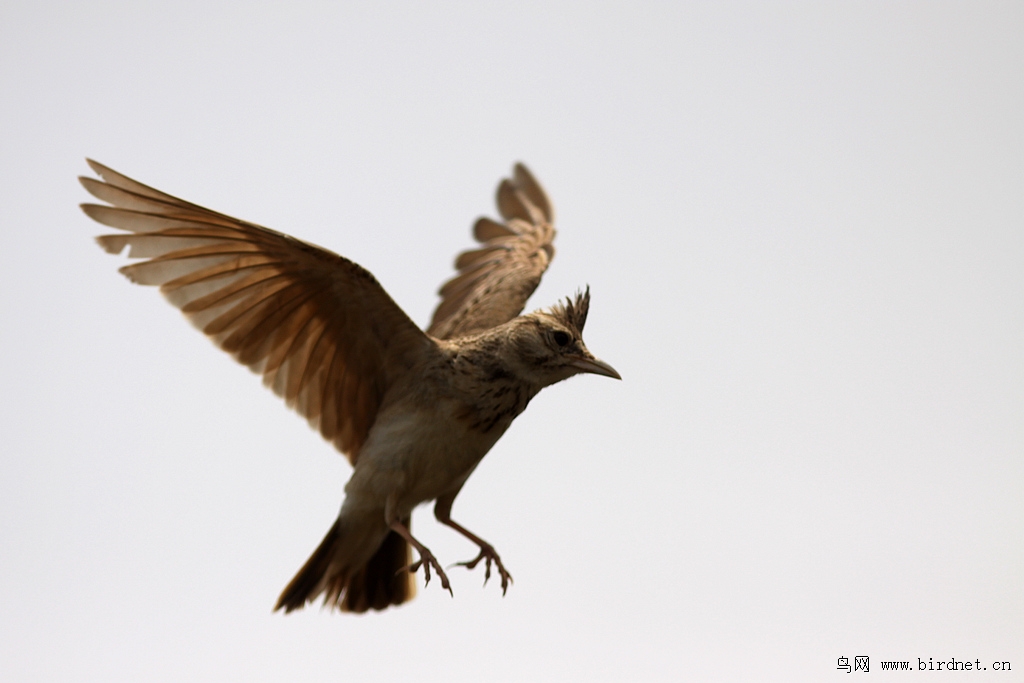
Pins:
x: 416, y: 454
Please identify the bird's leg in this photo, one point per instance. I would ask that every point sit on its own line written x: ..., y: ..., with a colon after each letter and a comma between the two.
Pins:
x: 427, y: 558
x: 442, y: 511
x: 487, y: 553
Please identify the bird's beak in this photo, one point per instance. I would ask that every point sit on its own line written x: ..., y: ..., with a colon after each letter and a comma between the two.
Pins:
x: 598, y: 367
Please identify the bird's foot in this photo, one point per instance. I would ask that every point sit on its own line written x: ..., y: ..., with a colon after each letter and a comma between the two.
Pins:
x: 427, y: 560
x: 488, y: 554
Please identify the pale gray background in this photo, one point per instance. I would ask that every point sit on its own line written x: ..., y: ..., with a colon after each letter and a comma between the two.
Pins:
x: 803, y: 227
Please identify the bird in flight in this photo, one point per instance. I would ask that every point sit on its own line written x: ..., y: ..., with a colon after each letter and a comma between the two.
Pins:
x: 413, y: 411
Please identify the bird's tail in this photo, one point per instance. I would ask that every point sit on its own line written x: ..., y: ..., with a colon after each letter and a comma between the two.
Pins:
x: 357, y: 567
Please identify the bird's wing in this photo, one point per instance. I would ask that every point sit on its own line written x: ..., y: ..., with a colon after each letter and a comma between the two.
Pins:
x: 321, y: 331
x: 494, y: 281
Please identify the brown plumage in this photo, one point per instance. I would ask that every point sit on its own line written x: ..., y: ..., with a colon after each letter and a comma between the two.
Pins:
x: 414, y: 412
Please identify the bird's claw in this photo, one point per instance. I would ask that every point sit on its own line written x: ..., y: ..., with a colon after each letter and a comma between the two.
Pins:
x: 488, y: 554
x: 427, y: 560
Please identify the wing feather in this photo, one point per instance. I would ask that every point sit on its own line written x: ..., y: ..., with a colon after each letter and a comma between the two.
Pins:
x: 321, y: 331
x: 494, y: 281
x: 485, y: 229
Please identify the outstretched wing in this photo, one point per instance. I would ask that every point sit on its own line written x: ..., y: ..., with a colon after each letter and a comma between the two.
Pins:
x: 323, y: 333
x: 494, y: 281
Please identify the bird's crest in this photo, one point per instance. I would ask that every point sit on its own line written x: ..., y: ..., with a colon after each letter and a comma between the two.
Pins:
x: 573, y: 313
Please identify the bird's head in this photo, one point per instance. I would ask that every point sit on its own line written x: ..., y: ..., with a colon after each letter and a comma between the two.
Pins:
x: 549, y: 346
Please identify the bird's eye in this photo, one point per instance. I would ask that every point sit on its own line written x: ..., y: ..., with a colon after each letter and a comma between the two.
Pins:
x: 561, y: 338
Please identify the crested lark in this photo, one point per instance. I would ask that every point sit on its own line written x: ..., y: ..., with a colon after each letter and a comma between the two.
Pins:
x: 414, y: 412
